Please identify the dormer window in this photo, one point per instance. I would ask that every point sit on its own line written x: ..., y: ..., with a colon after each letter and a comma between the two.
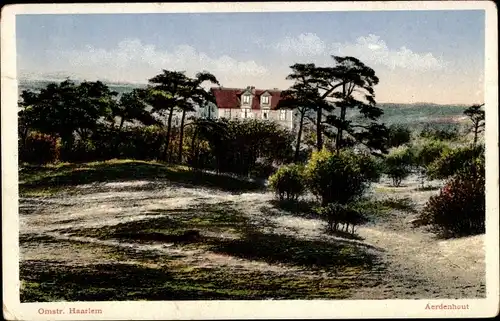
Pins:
x: 246, y: 99
x: 265, y: 100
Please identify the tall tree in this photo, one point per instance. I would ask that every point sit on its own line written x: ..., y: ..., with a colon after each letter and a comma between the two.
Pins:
x: 173, y: 90
x: 194, y: 96
x: 307, y: 85
x: 163, y: 94
x: 357, y: 81
x: 476, y: 115
x: 65, y: 108
x: 303, y: 99
x: 132, y: 108
x: 346, y: 85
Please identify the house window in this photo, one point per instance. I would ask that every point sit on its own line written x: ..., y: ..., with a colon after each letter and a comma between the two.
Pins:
x: 227, y: 114
x: 265, y: 100
x: 282, y: 114
x: 265, y: 115
x: 246, y: 113
x: 246, y: 99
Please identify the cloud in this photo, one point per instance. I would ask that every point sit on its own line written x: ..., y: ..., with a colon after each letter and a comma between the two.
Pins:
x: 306, y: 44
x: 370, y: 49
x: 133, y: 61
x: 373, y: 50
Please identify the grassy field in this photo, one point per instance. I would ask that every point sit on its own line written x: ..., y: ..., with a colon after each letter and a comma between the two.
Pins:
x: 48, y: 179
x: 133, y: 230
x: 108, y: 244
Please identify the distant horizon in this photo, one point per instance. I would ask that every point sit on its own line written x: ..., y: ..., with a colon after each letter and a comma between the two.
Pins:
x: 132, y: 85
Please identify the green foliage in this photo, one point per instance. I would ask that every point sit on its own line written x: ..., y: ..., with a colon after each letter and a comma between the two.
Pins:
x: 237, y: 146
x: 329, y: 92
x: 336, y: 214
x: 173, y: 90
x: 429, y: 152
x: 370, y: 166
x: 65, y: 108
x: 455, y: 160
x: 450, y: 132
x: 143, y: 143
x: 398, y: 165
x: 398, y: 135
x: 132, y: 108
x: 83, y: 150
x: 426, y: 154
x: 288, y: 182
x: 262, y: 170
x: 459, y: 208
x: 39, y: 149
x: 336, y: 177
x: 476, y: 116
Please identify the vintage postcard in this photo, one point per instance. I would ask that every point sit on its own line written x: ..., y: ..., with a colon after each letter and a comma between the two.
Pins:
x: 250, y: 160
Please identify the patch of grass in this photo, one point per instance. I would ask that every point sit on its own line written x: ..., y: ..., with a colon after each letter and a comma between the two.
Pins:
x: 106, y: 251
x: 177, y: 226
x: 57, y: 176
x: 44, y: 282
x: 299, y: 208
x: 274, y: 248
x: 428, y: 188
x: 402, y: 204
x: 373, y: 209
x: 36, y: 238
x: 378, y: 209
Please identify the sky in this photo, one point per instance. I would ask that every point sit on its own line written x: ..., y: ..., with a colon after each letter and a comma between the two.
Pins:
x: 419, y: 56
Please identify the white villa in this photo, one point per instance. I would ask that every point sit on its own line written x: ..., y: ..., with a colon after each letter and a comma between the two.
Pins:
x: 251, y: 103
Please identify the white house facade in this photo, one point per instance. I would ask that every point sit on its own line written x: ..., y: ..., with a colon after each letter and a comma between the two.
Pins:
x: 251, y: 103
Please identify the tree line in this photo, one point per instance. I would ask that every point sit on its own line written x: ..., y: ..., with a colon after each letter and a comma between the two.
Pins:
x: 75, y: 114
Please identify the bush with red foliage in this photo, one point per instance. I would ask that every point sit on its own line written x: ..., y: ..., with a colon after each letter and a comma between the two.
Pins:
x: 459, y: 208
x: 39, y: 149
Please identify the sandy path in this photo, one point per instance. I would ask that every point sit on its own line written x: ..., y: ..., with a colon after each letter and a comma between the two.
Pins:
x: 417, y: 265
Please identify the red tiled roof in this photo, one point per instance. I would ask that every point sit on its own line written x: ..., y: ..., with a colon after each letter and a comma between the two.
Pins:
x: 230, y: 97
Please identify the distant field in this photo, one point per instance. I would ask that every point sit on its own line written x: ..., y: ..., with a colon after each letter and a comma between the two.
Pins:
x: 421, y: 114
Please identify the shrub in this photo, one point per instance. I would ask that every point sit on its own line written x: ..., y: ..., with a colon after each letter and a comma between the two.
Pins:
x: 398, y: 165
x: 455, y: 160
x: 145, y: 143
x: 459, y: 208
x: 83, y: 151
x: 336, y: 177
x: 288, y: 182
x: 429, y: 152
x: 371, y: 167
x: 447, y: 132
x: 426, y: 154
x: 39, y: 149
x: 237, y: 145
x: 262, y: 170
x: 398, y: 135
x: 336, y: 214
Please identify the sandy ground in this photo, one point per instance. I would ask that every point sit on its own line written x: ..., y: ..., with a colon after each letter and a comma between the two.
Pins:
x: 417, y: 265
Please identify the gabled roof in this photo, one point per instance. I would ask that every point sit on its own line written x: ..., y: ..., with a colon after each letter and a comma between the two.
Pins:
x: 230, y: 97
